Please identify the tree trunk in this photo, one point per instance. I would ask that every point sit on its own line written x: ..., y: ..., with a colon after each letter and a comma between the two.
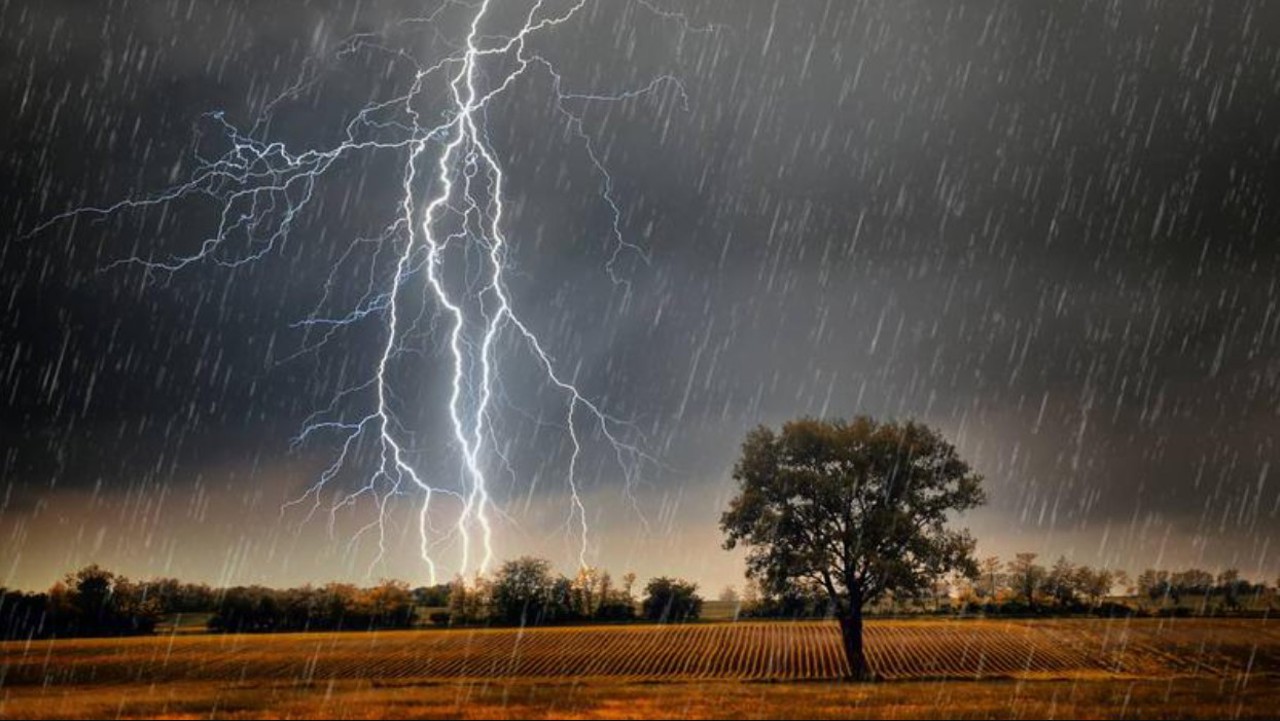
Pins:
x: 851, y: 635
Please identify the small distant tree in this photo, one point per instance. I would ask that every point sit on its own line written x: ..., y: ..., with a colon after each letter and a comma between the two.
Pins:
x: 1191, y: 582
x: 1232, y: 588
x: 560, y: 605
x: 859, y: 509
x: 523, y: 591
x: 432, y: 596
x: 457, y: 602
x: 1094, y: 584
x: 615, y: 605
x: 389, y: 605
x: 90, y: 595
x: 1120, y: 578
x: 729, y: 596
x: 469, y: 602
x: 1154, y: 585
x: 990, y: 580
x: 131, y: 611
x: 174, y: 596
x: 586, y: 592
x: 1026, y: 576
x: 607, y: 594
x: 671, y: 600
x: 340, y: 606
x: 1060, y: 583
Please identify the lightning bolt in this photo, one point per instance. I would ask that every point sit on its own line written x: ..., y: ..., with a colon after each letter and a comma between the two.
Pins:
x: 452, y: 202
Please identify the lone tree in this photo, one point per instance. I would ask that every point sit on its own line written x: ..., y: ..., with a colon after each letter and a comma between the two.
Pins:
x: 859, y: 508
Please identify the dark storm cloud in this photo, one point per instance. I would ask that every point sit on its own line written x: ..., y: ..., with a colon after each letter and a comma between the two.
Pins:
x: 1046, y: 228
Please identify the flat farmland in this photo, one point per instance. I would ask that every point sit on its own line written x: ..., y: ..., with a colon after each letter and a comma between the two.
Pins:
x: 1174, y: 668
x: 771, y: 651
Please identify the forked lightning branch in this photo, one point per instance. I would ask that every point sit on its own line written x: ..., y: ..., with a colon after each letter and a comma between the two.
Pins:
x: 452, y: 190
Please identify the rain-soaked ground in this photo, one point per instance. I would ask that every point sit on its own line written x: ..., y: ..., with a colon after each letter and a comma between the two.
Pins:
x: 998, y: 667
x: 765, y: 651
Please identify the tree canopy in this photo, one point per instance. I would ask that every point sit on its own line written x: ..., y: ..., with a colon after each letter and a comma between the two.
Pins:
x: 858, y: 508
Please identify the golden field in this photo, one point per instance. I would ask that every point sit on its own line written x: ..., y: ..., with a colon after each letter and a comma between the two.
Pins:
x: 1078, y: 668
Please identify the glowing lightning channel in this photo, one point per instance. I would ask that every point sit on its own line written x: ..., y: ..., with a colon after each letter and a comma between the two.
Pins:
x: 261, y: 188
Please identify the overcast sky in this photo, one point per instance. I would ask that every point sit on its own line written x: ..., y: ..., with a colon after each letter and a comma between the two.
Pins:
x: 1046, y: 229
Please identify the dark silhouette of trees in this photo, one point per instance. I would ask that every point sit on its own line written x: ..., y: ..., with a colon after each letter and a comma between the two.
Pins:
x: 1192, y: 581
x: 89, y: 602
x: 1233, y: 588
x: 95, y: 602
x: 611, y: 604
x: 100, y: 603
x: 174, y: 596
x: 671, y: 600
x: 1153, y: 584
x: 802, y: 599
x: 859, y: 509
x: 23, y: 615
x: 432, y: 596
x: 334, y: 607
x: 1159, y: 586
x: 526, y: 593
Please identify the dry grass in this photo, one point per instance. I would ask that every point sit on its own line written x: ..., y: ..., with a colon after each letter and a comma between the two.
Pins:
x: 1181, y: 698
x: 1170, y: 668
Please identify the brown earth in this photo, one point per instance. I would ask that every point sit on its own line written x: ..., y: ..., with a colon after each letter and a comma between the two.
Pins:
x: 778, y: 651
x: 1171, y: 668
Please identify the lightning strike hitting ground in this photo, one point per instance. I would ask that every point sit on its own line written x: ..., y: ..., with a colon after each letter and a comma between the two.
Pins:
x: 452, y: 205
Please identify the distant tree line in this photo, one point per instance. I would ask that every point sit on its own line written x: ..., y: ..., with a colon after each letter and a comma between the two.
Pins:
x: 524, y: 592
x: 89, y: 602
x: 1064, y: 586
x: 1198, y: 586
x: 527, y: 592
x: 97, y: 602
x: 333, y: 607
x: 1022, y: 586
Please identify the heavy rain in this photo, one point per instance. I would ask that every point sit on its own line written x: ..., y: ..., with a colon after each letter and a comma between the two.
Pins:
x: 441, y: 321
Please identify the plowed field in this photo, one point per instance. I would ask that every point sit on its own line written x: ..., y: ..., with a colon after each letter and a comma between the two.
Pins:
x: 897, y: 650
